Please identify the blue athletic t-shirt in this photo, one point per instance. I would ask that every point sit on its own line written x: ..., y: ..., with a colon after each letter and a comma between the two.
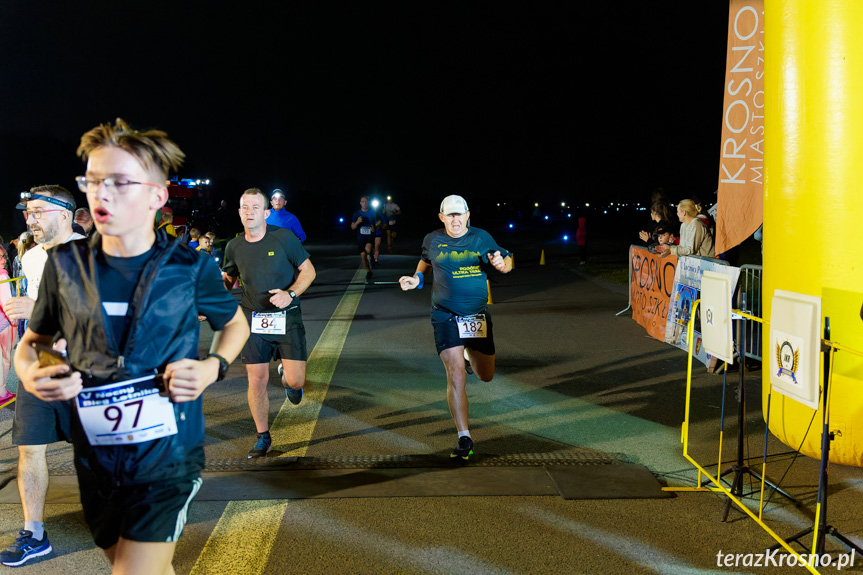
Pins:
x: 285, y: 219
x: 368, y: 222
x: 459, y: 278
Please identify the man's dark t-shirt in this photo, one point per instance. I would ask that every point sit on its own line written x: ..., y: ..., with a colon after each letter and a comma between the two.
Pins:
x: 367, y: 225
x: 270, y: 263
x: 459, y: 278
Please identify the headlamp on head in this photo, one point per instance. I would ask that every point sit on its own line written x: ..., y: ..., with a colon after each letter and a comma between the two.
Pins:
x: 28, y: 196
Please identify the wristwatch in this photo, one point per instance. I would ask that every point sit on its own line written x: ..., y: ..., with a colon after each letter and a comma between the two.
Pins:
x: 223, y: 365
x: 292, y: 293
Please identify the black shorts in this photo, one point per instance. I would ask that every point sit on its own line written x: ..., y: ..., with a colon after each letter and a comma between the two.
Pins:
x: 264, y: 347
x: 393, y: 227
x: 363, y: 241
x: 149, y: 513
x: 38, y: 422
x: 446, y: 333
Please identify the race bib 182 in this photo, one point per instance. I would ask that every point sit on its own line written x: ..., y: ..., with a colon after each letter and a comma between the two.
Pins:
x: 471, y: 326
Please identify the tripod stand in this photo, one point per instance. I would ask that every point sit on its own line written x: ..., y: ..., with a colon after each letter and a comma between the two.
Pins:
x: 826, y: 437
x: 740, y: 469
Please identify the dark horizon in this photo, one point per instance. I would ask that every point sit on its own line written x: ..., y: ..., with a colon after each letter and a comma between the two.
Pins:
x: 557, y: 102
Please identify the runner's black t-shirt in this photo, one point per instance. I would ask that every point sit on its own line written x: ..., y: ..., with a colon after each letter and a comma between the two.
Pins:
x: 459, y: 278
x: 270, y: 263
x: 118, y: 278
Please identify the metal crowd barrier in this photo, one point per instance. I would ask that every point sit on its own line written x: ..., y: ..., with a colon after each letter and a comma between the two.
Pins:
x: 750, y: 287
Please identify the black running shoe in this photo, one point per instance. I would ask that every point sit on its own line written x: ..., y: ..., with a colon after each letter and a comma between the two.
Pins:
x: 262, y: 447
x: 468, y: 368
x: 368, y: 276
x: 464, y: 449
x: 25, y: 548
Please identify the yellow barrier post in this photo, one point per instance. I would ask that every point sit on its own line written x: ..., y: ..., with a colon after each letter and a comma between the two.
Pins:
x: 542, y: 258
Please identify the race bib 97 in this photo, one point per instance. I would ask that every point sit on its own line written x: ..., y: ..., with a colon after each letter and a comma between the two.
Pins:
x: 471, y: 326
x: 126, y: 412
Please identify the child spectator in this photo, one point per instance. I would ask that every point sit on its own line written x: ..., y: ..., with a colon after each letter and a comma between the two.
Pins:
x: 194, y: 234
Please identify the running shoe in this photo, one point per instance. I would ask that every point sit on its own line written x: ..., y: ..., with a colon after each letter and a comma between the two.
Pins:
x: 368, y: 276
x: 467, y: 367
x: 464, y: 449
x: 375, y: 264
x: 262, y: 447
x: 295, y: 396
x: 25, y: 548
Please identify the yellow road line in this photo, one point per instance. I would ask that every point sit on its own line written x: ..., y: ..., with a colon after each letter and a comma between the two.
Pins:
x: 237, y: 543
x: 292, y: 427
x: 241, y: 542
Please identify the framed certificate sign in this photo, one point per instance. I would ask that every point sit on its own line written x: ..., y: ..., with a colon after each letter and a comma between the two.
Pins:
x: 794, y: 347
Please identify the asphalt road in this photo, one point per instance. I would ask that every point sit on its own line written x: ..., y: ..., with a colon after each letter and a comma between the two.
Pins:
x: 571, y: 377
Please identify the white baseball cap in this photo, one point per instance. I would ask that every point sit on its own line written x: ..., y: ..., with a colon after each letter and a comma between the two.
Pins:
x: 453, y: 205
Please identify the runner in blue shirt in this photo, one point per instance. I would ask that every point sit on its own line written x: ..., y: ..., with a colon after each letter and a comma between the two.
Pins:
x: 281, y: 217
x: 459, y: 314
x: 363, y: 221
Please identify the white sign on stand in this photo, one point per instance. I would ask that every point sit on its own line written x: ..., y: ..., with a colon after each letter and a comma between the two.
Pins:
x: 716, y: 331
x: 794, y: 346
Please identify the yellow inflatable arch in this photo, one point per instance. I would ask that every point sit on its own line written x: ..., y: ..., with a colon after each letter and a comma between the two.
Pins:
x: 813, y: 200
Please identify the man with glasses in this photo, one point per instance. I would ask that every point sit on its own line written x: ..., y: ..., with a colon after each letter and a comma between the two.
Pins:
x: 126, y: 306
x: 459, y: 314
x: 281, y: 217
x: 275, y: 270
x: 49, y: 213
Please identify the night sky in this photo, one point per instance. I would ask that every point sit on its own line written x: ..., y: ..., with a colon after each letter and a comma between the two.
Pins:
x: 556, y: 101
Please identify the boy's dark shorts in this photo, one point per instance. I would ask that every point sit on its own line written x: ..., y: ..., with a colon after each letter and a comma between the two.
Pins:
x: 149, y: 513
x: 264, y: 347
x: 446, y: 333
x: 38, y: 422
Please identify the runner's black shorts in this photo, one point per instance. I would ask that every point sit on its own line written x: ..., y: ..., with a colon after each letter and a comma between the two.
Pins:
x: 446, y: 334
x: 38, y: 422
x: 150, y: 512
x: 362, y: 241
x: 264, y: 347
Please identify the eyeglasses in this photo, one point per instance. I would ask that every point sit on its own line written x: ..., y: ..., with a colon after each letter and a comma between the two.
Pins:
x: 37, y: 214
x: 91, y: 185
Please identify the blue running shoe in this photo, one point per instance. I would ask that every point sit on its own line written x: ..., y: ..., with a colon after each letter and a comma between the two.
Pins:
x: 25, y: 548
x: 464, y: 449
x: 262, y: 447
x: 295, y: 396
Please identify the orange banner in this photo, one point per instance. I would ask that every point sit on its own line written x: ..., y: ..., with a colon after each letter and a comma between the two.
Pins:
x: 651, y: 282
x: 740, y: 208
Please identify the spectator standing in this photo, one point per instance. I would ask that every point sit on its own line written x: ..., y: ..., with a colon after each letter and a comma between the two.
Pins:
x: 661, y: 215
x: 695, y: 238
x: 194, y: 234
x: 581, y: 239
x: 84, y: 220
x: 167, y: 224
x: 7, y: 329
